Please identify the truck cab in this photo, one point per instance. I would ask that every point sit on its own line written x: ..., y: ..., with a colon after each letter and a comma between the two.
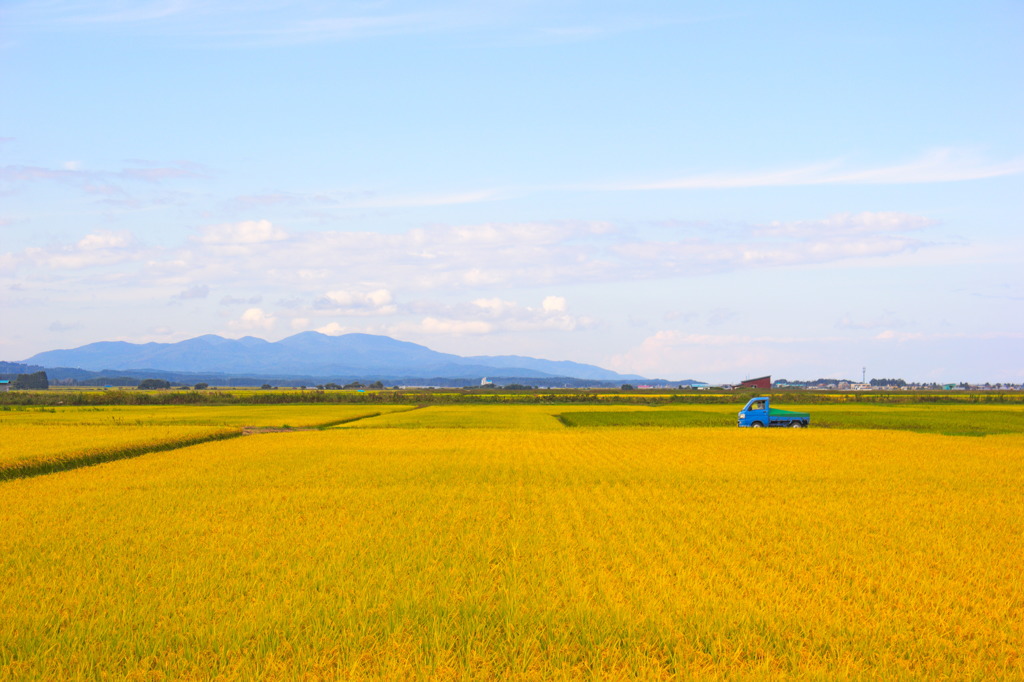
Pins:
x: 759, y: 413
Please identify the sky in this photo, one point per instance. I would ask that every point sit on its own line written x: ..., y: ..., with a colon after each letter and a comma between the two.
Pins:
x: 685, y: 189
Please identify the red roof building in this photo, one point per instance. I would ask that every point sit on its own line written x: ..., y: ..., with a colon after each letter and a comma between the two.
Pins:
x: 760, y: 382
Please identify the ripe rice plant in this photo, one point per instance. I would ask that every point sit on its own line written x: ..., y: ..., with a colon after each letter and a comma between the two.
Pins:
x: 523, y: 553
x: 36, y: 449
x: 467, y: 416
x: 209, y: 415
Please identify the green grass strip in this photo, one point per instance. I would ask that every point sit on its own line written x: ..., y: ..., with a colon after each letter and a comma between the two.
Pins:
x: 673, y: 418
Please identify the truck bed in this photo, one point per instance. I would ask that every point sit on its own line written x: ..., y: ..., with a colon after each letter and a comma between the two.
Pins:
x: 788, y: 414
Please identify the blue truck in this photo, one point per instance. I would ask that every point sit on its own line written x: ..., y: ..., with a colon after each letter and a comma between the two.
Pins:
x: 759, y: 413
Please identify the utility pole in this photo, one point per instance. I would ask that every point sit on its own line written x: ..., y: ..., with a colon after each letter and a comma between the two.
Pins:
x: 863, y: 375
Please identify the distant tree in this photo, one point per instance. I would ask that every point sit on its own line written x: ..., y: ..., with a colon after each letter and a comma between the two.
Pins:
x: 377, y: 385
x: 628, y: 387
x: 201, y: 386
x: 153, y: 384
x: 332, y: 386
x: 353, y: 385
x: 266, y: 387
x: 35, y: 382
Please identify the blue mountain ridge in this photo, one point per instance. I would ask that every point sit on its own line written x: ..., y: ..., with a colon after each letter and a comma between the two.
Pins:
x: 313, y: 354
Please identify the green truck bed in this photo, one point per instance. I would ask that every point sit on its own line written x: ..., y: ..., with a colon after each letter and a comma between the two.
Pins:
x: 788, y: 413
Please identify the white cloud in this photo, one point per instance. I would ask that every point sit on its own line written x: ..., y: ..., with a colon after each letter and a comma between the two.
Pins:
x: 254, y: 319
x: 243, y: 233
x: 339, y: 273
x: 332, y: 329
x: 93, y: 250
x: 893, y: 335
x: 554, y: 304
x: 494, y: 306
x: 504, y: 315
x: 841, y: 237
x: 843, y: 224
x: 105, y: 240
x: 351, y: 302
x: 432, y: 325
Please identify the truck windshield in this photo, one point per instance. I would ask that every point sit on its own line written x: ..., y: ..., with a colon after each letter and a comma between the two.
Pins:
x: 757, y: 405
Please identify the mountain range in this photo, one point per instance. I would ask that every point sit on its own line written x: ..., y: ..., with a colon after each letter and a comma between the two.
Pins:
x: 312, y: 354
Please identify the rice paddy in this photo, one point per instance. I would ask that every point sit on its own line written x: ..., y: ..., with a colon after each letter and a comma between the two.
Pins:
x: 469, y: 542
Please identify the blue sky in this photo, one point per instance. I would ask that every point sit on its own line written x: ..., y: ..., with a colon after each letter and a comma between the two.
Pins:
x: 709, y: 190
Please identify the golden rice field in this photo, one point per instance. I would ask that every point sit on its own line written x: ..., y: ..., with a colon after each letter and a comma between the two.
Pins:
x: 35, y: 449
x: 525, y: 550
x: 207, y: 415
x: 42, y: 440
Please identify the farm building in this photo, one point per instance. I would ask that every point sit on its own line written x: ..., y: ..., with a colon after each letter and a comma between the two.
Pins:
x: 5, y: 385
x: 760, y: 382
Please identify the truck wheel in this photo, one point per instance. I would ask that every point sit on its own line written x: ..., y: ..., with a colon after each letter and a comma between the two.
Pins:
x: 756, y: 425
x: 797, y: 425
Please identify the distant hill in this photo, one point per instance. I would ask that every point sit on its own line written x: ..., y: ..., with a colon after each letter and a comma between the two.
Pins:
x: 311, y: 354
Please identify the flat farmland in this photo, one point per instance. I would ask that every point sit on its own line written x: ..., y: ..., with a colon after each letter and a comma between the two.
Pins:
x: 37, y: 440
x: 472, y: 547
x: 256, y: 416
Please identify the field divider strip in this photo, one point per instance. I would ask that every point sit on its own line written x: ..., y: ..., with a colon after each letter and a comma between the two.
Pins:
x: 30, y: 468
x: 349, y: 420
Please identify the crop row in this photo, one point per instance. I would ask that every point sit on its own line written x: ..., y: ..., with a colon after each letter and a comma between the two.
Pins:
x: 30, y: 450
x: 523, y: 553
x: 38, y: 441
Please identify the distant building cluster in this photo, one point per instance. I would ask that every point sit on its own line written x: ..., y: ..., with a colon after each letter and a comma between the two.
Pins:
x: 891, y: 385
x: 766, y: 383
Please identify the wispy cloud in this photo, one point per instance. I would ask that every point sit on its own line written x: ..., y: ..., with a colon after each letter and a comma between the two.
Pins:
x: 261, y: 23
x: 266, y: 22
x: 940, y: 165
x: 263, y: 254
x: 404, y: 284
x: 247, y: 232
x: 122, y: 12
x: 75, y: 173
x: 368, y: 199
x: 98, y: 249
x: 490, y: 315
